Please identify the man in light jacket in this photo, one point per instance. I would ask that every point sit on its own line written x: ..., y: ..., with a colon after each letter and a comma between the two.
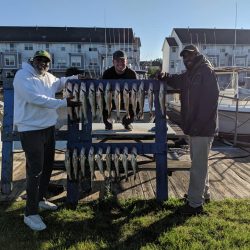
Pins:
x: 35, y: 117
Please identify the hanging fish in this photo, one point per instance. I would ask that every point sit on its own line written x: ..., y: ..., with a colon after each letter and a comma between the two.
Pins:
x: 83, y: 99
x: 92, y: 100
x: 69, y: 93
x: 134, y: 161
x: 75, y: 163
x: 83, y: 162
x: 99, y: 161
x: 67, y: 164
x: 76, y: 110
x: 108, y: 99
x: 99, y: 100
x: 91, y: 160
x: 151, y: 98
x: 117, y: 162
x: 108, y: 160
x: 162, y: 99
x: 117, y: 98
x: 141, y: 98
x: 126, y: 99
x: 134, y: 97
x: 125, y: 162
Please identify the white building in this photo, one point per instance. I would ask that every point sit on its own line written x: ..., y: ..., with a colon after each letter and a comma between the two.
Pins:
x: 223, y: 47
x: 89, y: 49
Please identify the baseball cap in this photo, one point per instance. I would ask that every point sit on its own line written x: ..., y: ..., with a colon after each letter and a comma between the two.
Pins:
x: 42, y: 53
x: 190, y: 48
x: 119, y: 54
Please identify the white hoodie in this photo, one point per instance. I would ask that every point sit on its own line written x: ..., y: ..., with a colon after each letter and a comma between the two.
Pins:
x: 34, y: 99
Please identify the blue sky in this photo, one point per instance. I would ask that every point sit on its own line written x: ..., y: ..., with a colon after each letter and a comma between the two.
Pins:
x: 151, y: 20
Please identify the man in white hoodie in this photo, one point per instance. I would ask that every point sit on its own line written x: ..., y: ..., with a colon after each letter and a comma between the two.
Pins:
x: 35, y: 117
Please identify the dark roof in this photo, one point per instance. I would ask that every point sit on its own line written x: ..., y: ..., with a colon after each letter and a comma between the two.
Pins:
x: 213, y: 36
x: 171, y: 41
x: 65, y: 34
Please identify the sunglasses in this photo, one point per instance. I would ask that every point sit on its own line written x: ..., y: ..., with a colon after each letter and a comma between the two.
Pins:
x: 42, y: 59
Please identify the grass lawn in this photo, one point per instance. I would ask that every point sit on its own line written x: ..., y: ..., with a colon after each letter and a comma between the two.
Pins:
x: 130, y: 224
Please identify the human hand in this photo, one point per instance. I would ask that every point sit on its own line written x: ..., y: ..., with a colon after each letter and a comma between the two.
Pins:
x: 71, y: 103
x: 162, y: 76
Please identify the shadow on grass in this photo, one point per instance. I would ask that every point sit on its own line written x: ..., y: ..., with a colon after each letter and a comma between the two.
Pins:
x: 105, y: 224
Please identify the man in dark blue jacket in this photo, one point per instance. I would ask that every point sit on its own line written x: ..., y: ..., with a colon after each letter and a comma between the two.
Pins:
x: 199, y: 93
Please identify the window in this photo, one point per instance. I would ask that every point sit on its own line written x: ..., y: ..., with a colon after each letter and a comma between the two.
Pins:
x: 63, y: 48
x: 222, y: 50
x: 239, y: 61
x: 61, y: 63
x: 9, y: 60
x: 28, y: 46
x: 173, y: 49
x: 172, y: 64
x: 47, y: 46
x: 204, y: 47
x: 76, y: 61
x: 92, y: 49
x: 12, y: 46
x: 79, y: 47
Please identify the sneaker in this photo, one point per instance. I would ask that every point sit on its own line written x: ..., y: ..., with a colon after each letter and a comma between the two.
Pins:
x: 108, y: 126
x: 207, y: 199
x: 46, y: 205
x: 128, y: 127
x: 188, y: 210
x: 34, y: 222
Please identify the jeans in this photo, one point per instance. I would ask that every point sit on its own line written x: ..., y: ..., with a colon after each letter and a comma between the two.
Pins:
x: 199, y: 177
x: 39, y: 148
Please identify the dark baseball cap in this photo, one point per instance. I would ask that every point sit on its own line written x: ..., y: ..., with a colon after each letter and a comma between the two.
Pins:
x: 43, y: 53
x: 190, y: 48
x: 119, y: 54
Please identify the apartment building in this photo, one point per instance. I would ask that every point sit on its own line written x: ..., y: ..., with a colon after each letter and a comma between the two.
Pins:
x: 223, y: 47
x: 89, y: 49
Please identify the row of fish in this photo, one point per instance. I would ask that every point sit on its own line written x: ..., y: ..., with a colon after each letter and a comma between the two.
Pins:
x: 78, y: 164
x: 100, y: 99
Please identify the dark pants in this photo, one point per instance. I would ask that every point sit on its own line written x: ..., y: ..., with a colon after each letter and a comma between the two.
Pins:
x: 39, y: 148
x: 125, y: 121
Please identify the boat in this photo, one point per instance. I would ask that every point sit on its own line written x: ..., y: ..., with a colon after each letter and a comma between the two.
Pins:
x: 234, y: 105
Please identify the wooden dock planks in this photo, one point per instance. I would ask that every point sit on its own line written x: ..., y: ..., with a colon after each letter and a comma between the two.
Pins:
x: 229, y: 178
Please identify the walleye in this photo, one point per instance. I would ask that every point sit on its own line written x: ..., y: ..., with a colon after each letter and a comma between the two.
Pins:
x: 134, y: 161
x: 125, y: 161
x: 69, y: 93
x: 126, y: 99
x: 108, y: 99
x: 162, y: 99
x: 99, y: 161
x: 83, y: 162
x: 76, y: 110
x: 134, y: 98
x: 83, y: 99
x: 117, y: 162
x: 92, y: 99
x: 108, y: 160
x: 91, y: 160
x: 99, y: 100
x: 141, y: 97
x: 75, y: 163
x: 67, y: 164
x: 117, y: 98
x: 151, y: 98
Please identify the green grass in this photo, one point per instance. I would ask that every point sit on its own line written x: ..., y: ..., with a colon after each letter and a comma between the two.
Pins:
x: 130, y: 224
